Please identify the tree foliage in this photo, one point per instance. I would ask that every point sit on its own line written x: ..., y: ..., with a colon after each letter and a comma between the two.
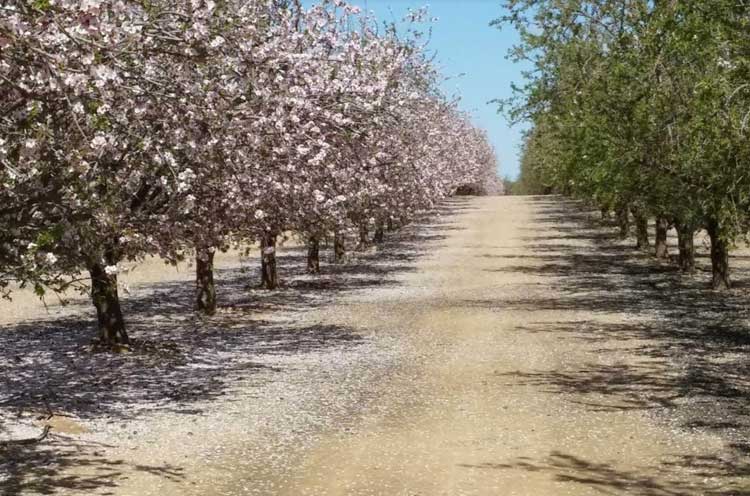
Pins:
x: 132, y: 128
x: 642, y: 106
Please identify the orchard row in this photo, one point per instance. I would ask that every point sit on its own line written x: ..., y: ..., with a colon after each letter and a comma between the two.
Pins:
x: 133, y: 128
x: 642, y: 107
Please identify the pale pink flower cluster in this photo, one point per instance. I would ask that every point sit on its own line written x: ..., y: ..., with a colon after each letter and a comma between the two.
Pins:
x: 129, y: 128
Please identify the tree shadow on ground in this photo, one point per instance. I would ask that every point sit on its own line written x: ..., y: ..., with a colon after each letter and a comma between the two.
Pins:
x: 666, y: 479
x: 183, y: 362
x: 180, y: 362
x: 692, y: 344
x: 35, y: 469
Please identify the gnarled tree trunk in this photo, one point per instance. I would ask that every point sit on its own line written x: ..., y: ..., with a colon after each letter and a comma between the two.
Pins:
x: 269, y: 276
x: 339, y: 248
x: 686, y: 257
x: 313, y: 255
x: 641, y: 229
x: 662, y: 226
x: 719, y: 256
x: 205, y: 300
x: 107, y: 302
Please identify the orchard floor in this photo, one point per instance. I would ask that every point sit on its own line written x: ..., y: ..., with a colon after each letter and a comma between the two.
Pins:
x: 513, y: 346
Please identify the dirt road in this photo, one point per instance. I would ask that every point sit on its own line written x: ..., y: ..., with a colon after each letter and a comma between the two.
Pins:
x: 530, y: 364
x: 510, y: 389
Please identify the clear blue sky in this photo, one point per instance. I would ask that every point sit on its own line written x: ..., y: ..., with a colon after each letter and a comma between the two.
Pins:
x: 465, y: 43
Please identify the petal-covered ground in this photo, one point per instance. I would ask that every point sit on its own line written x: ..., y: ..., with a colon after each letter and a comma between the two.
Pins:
x: 510, y: 346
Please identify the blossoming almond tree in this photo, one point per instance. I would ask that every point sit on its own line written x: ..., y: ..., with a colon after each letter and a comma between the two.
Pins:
x: 91, y: 123
x: 129, y: 129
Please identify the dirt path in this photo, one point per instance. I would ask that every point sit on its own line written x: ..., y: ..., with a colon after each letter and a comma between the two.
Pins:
x: 502, y: 397
x: 521, y: 356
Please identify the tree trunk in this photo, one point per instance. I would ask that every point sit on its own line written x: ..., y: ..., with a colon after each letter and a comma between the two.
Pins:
x: 686, y: 258
x: 339, y: 248
x: 662, y: 226
x: 389, y: 224
x: 313, y: 255
x: 364, y: 239
x: 205, y: 300
x: 641, y: 229
x: 379, y: 236
x: 605, y: 213
x: 623, y: 221
x: 108, y: 313
x: 719, y: 257
x: 268, y: 272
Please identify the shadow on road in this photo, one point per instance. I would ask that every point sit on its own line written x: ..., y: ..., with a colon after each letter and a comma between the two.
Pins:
x: 664, y: 480
x: 36, y: 469
x: 181, y: 361
x: 692, y: 344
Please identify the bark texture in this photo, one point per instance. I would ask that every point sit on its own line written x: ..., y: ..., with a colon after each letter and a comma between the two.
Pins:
x: 719, y: 257
x: 269, y: 275
x: 339, y: 248
x: 205, y: 300
x: 313, y: 255
x: 686, y: 257
x: 104, y: 295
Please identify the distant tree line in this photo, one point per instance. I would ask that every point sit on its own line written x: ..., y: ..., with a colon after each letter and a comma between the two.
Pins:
x: 641, y: 107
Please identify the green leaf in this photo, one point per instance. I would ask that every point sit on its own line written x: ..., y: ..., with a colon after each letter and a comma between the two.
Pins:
x: 39, y: 290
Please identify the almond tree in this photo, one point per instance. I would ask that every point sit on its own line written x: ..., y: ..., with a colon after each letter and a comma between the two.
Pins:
x: 643, y: 105
x: 91, y: 126
x: 129, y: 129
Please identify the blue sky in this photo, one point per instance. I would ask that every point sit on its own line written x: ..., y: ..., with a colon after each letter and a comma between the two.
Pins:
x: 465, y: 43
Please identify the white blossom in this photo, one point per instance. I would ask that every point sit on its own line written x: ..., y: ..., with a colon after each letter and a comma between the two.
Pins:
x: 99, y: 142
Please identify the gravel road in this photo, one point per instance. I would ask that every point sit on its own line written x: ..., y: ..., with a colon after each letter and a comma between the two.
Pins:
x: 510, y: 348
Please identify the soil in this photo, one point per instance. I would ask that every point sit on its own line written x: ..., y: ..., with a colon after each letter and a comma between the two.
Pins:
x: 511, y: 347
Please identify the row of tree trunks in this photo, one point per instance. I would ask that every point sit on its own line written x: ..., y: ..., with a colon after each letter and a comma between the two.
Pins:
x: 111, y: 325
x: 104, y: 291
x: 641, y: 229
x: 686, y: 245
